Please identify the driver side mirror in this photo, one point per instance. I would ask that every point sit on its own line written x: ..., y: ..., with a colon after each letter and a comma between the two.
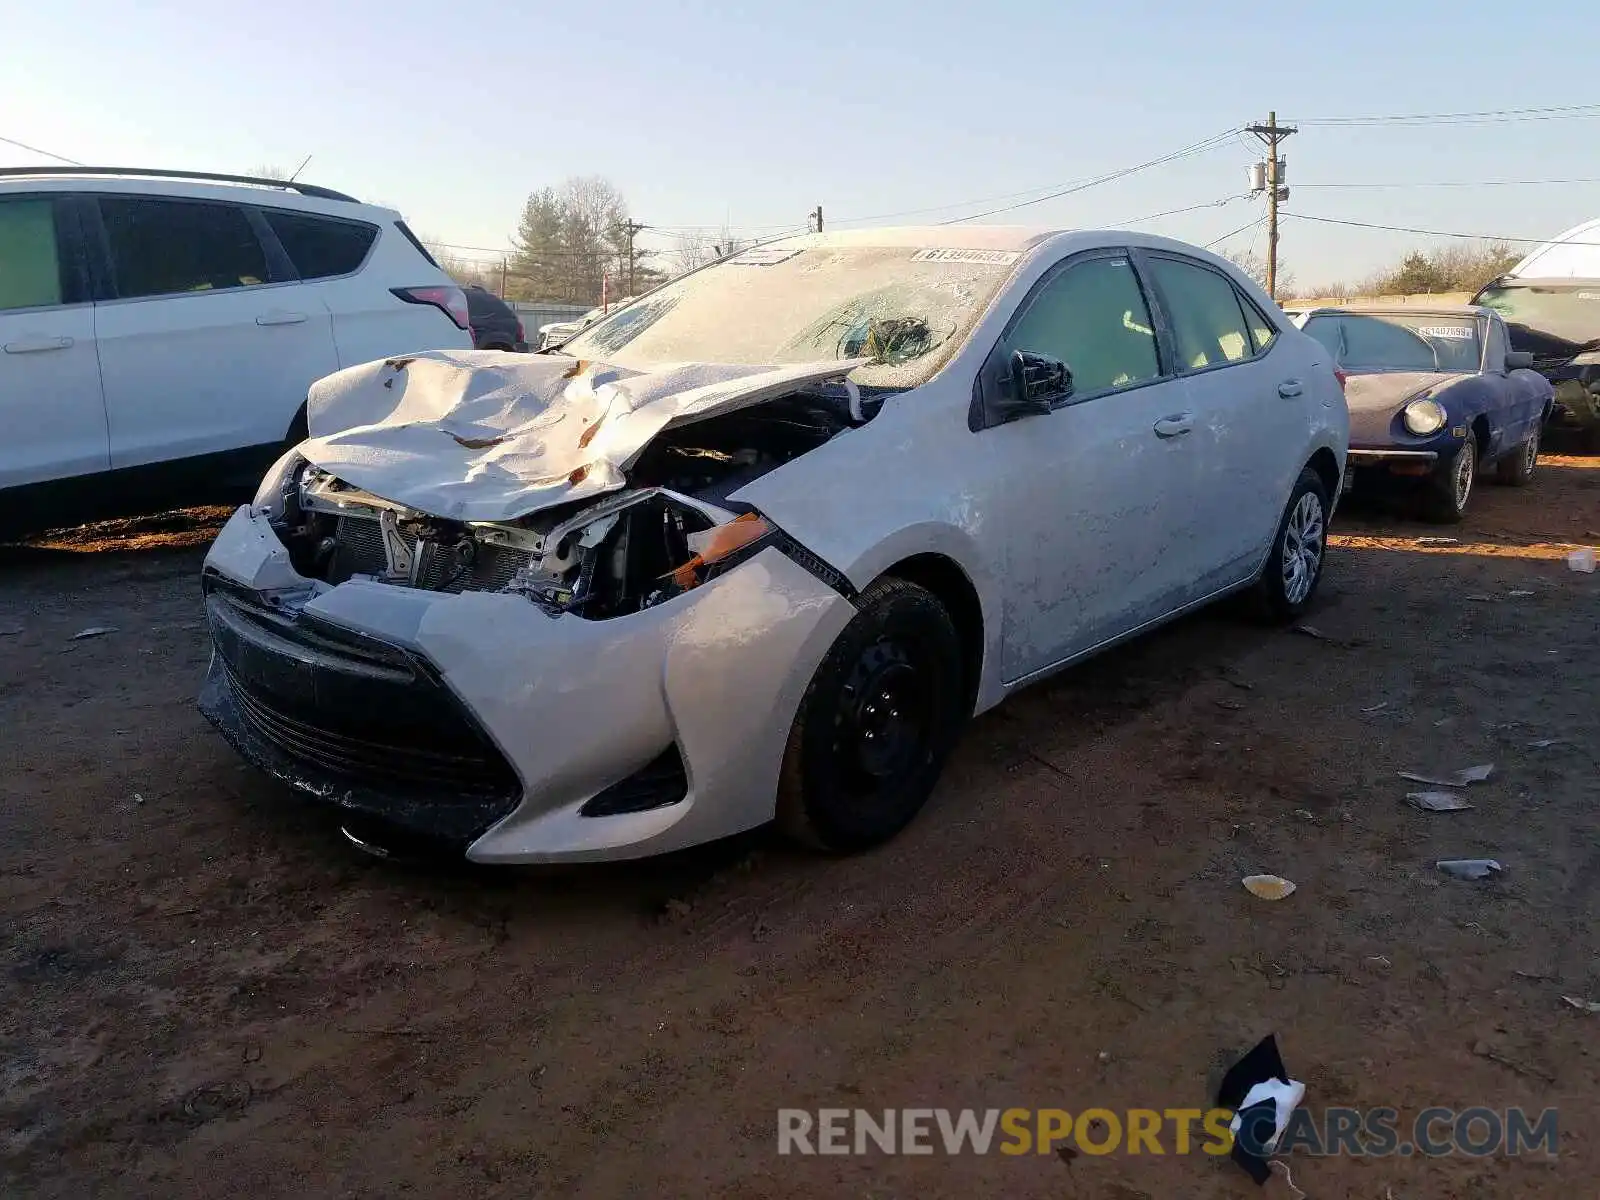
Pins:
x: 1519, y: 360
x: 1037, y: 383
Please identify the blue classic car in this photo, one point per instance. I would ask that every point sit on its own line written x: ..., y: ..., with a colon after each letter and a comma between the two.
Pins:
x: 1435, y: 394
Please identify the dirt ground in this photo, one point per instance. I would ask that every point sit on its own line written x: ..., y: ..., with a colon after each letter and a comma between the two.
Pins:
x: 206, y: 992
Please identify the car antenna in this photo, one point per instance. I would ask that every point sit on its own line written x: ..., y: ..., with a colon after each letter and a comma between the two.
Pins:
x: 300, y: 168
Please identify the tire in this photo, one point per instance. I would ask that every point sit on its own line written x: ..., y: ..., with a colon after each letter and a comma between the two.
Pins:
x: 1288, y: 581
x: 1516, y: 469
x: 1450, y: 487
x: 876, y: 723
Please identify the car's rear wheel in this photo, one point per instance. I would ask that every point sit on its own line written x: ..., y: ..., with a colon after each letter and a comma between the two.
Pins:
x: 1450, y: 487
x: 1289, y: 580
x: 1516, y: 469
x: 876, y: 723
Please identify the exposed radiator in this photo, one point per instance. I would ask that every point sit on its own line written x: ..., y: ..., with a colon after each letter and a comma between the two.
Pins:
x: 360, y: 552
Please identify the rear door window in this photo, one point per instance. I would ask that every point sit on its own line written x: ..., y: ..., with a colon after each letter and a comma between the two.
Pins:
x: 164, y: 247
x: 320, y: 247
x: 30, y: 256
x: 1207, y: 321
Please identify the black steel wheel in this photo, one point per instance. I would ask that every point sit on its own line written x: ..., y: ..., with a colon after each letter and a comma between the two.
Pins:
x: 1450, y: 487
x: 876, y: 723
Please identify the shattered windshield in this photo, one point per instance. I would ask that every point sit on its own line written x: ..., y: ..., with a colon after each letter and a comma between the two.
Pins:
x: 1399, y: 342
x: 905, y: 309
x: 1570, y: 312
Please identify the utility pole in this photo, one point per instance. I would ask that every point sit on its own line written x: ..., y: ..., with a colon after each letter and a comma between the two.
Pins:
x: 1271, y: 134
x: 502, y: 277
x: 814, y: 219
x: 632, y: 228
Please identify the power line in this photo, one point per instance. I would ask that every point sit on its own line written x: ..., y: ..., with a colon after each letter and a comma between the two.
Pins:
x: 1194, y: 148
x: 1234, y: 233
x: 1172, y: 212
x: 47, y: 153
x: 1453, y: 183
x: 1477, y: 237
x: 1563, y: 112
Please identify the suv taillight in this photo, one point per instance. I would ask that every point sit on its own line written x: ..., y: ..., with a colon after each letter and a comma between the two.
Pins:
x: 451, y: 301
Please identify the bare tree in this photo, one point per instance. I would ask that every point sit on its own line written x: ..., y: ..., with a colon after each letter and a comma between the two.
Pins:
x: 572, y: 244
x: 697, y: 249
x: 1255, y: 266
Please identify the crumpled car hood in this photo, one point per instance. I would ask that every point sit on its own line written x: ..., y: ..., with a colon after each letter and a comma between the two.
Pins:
x: 483, y: 436
x: 1388, y: 390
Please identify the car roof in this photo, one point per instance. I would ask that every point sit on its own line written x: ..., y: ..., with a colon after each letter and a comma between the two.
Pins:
x: 269, y: 193
x: 1403, y: 310
x: 1023, y: 240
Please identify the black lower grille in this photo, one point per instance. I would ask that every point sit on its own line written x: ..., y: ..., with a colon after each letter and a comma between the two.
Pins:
x: 336, y: 711
x: 464, y: 769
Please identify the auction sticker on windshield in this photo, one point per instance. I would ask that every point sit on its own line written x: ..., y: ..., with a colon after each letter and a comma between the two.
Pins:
x: 1460, y: 332
x: 999, y: 258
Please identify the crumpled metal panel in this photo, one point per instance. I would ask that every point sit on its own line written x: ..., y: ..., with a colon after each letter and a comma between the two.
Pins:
x: 480, y: 436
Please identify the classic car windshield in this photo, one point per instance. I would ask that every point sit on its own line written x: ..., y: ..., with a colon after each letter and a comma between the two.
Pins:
x: 1567, y: 311
x: 906, y: 309
x: 1399, y: 341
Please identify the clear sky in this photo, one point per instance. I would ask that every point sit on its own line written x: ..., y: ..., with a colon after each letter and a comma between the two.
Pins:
x: 752, y: 114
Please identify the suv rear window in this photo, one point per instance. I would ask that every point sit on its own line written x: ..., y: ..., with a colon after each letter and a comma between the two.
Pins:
x: 30, y: 265
x: 162, y: 247
x: 321, y: 246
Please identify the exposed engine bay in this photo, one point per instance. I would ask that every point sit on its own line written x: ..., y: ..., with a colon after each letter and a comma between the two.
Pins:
x: 673, y: 528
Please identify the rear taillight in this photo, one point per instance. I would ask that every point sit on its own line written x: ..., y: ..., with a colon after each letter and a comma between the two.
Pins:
x: 1341, y: 376
x: 451, y: 301
x: 522, y: 334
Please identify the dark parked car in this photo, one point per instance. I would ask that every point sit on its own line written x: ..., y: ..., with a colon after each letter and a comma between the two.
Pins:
x: 495, y: 324
x: 1434, y: 395
x: 1558, y: 322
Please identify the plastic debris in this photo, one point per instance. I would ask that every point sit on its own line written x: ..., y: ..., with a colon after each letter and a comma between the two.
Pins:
x: 1268, y: 887
x: 1582, y: 561
x: 1262, y: 1096
x: 1544, y: 743
x: 1437, y: 801
x: 1459, y: 779
x: 93, y: 631
x: 1438, y: 541
x: 1588, y: 1006
x: 1311, y: 631
x: 1519, y: 592
x: 1378, y: 707
x: 1481, y: 599
x: 137, y: 798
x: 1468, y: 868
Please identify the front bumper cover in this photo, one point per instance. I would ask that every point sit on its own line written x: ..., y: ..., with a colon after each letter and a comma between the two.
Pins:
x: 571, y: 706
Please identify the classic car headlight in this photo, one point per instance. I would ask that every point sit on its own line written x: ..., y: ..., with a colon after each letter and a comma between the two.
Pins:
x: 273, y: 494
x: 1423, y: 417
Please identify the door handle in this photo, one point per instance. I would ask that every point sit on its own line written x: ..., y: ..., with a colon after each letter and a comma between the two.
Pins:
x: 1290, y: 388
x: 280, y: 318
x: 1175, y: 426
x: 37, y: 345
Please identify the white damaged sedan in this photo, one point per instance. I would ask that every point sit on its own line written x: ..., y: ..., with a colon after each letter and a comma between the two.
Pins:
x: 756, y: 546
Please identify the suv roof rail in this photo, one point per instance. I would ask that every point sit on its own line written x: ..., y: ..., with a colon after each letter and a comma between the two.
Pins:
x: 305, y: 189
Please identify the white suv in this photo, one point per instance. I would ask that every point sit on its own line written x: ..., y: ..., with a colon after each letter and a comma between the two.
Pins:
x: 160, y: 329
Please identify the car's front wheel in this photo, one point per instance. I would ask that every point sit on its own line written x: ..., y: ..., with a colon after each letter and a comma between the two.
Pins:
x: 1516, y: 469
x: 877, y: 722
x: 1294, y: 568
x: 1450, y: 488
